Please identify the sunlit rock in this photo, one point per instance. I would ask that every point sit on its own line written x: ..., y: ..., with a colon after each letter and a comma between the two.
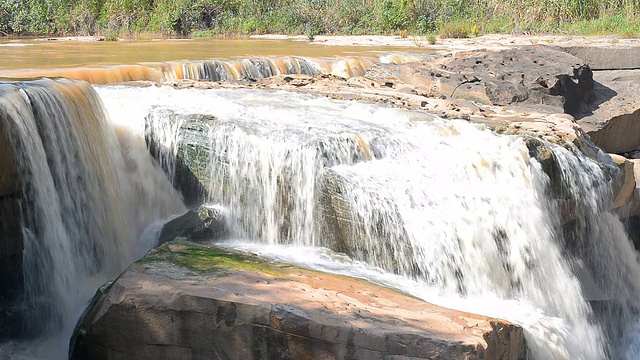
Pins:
x: 192, y: 301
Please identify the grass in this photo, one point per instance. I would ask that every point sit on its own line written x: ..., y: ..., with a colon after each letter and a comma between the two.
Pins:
x: 209, y: 18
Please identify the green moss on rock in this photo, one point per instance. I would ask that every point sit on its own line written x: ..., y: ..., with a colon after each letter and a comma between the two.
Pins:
x: 208, y: 259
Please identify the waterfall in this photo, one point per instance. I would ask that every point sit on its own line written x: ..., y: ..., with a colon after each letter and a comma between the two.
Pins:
x: 218, y: 69
x: 432, y: 204
x: 87, y: 195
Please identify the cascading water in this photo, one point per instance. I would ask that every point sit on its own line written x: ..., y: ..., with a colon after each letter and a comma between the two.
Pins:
x: 442, y: 205
x: 218, y: 69
x: 87, y: 195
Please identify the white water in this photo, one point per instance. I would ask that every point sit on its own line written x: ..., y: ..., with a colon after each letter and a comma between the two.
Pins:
x: 89, y: 197
x: 463, y: 216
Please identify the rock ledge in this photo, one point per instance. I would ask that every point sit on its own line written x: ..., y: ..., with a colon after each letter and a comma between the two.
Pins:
x: 191, y: 301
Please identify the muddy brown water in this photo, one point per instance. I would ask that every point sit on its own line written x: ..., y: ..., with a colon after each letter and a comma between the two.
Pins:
x: 33, y: 54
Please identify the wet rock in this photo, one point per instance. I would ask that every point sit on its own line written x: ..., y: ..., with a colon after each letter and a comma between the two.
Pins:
x: 542, y: 152
x: 78, y: 347
x: 184, y: 167
x: 503, y: 342
x: 185, y: 300
x: 205, y: 223
x: 11, y: 242
x: 11, y: 281
x: 612, y: 118
x: 535, y: 75
x: 347, y: 233
x: 9, y: 183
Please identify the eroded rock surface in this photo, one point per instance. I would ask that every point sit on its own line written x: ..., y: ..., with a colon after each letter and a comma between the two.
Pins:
x: 612, y: 119
x: 194, y: 301
x: 531, y: 74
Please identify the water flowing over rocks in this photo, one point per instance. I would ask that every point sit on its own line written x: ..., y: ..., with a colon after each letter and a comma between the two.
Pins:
x: 82, y: 200
x: 254, y: 309
x: 479, y: 214
x: 527, y: 90
x: 11, y: 240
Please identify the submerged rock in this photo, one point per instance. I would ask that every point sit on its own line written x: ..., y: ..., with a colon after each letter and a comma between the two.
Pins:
x: 185, y: 300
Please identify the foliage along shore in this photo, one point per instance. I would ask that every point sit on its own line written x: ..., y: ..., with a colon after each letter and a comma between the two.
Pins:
x: 447, y: 18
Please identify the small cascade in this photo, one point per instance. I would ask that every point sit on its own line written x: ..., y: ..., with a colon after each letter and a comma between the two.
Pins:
x: 231, y: 70
x: 445, y: 204
x: 595, y: 239
x: 217, y: 69
x: 87, y: 195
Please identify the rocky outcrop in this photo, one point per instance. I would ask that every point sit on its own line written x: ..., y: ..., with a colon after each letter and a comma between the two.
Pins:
x: 612, y: 118
x: 609, y: 57
x: 194, y: 301
x: 535, y: 75
x: 205, y: 223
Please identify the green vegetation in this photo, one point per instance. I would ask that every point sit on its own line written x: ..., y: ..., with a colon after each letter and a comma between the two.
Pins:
x: 448, y: 18
x: 208, y: 258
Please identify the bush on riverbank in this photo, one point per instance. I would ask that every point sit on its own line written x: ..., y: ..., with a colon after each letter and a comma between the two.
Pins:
x: 212, y: 17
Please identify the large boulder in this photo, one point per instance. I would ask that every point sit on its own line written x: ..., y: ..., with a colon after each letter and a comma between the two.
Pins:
x: 206, y: 223
x: 534, y: 75
x: 191, y: 301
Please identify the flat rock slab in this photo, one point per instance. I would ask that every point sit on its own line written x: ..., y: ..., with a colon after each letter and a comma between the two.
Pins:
x: 538, y: 75
x: 612, y: 119
x: 193, y: 301
x: 607, y: 57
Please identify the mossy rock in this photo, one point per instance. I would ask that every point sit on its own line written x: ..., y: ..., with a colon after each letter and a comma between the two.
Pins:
x: 203, y: 224
x: 206, y: 259
x: 542, y: 152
